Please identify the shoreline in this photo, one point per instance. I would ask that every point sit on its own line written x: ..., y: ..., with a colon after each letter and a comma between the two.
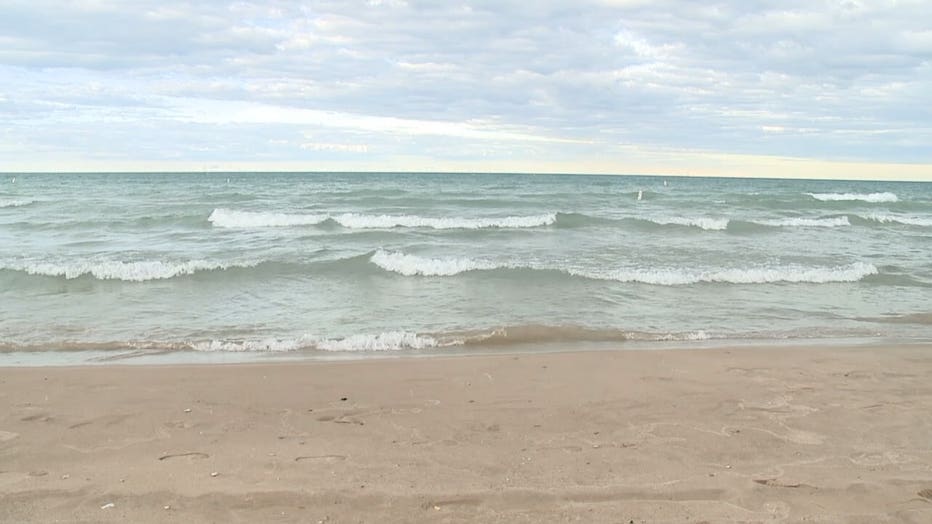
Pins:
x: 143, y: 357
x: 721, y: 435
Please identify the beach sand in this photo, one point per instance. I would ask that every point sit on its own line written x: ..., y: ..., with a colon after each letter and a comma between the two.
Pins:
x: 822, y: 434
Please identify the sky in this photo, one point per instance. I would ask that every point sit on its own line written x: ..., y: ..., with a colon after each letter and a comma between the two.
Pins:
x: 817, y: 88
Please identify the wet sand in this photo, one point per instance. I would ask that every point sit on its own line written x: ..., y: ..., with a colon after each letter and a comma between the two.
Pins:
x: 711, y: 435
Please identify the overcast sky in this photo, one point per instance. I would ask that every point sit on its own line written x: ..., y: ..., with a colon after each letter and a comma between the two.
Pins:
x: 793, y: 88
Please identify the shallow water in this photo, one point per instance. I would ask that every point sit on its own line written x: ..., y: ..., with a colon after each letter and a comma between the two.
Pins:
x: 360, y: 264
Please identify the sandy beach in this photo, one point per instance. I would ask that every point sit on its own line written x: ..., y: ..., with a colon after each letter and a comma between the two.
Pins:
x: 707, y: 435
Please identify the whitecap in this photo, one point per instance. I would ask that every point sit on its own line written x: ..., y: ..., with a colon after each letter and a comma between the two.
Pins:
x: 865, y: 197
x: 711, y: 224
x: 363, y: 221
x: 896, y: 219
x: 806, y: 222
x: 16, y: 203
x: 138, y: 271
x: 411, y: 265
x: 758, y: 275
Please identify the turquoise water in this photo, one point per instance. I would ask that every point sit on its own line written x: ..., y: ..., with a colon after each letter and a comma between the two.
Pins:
x: 360, y: 264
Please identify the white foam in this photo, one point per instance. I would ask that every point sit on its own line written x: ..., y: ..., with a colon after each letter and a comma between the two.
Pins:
x: 16, y: 203
x: 806, y: 222
x: 896, y: 219
x: 688, y: 336
x: 866, y: 197
x: 117, y: 270
x: 248, y: 219
x: 269, y: 344
x: 388, y: 341
x: 760, y: 275
x: 711, y: 224
x: 361, y: 221
x: 411, y: 265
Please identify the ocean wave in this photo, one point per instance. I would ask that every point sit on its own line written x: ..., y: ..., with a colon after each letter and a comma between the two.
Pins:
x: 229, y: 218
x: 805, y: 222
x: 413, y: 265
x: 388, y: 341
x: 707, y: 223
x: 897, y: 219
x: 360, y: 221
x: 541, y: 334
x: 138, y: 271
x: 400, y: 340
x: 865, y: 197
x: 759, y: 275
x: 721, y: 224
x: 16, y: 203
x: 490, y: 338
x: 250, y: 219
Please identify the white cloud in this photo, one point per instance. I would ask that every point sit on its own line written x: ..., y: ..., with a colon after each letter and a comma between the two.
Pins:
x: 344, y: 148
x: 551, y: 80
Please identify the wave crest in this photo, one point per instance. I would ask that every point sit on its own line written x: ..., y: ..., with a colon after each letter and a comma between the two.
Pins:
x: 896, y: 219
x: 865, y: 197
x: 16, y: 203
x: 412, y: 265
x: 360, y: 221
x: 761, y: 275
x: 252, y: 219
x: 707, y: 223
x: 139, y: 271
x: 806, y: 222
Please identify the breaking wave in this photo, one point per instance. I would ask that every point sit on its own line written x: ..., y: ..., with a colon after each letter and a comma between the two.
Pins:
x: 413, y: 265
x: 360, y: 221
x: 757, y: 275
x: 386, y: 341
x: 864, y: 197
x: 16, y: 203
x: 139, y: 271
x: 806, y: 222
x: 254, y: 219
x: 710, y: 224
x: 897, y: 219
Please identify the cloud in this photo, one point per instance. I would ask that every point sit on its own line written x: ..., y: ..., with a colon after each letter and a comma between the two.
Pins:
x: 552, y: 80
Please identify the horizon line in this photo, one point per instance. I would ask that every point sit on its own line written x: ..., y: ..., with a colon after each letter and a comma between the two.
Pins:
x: 447, y: 172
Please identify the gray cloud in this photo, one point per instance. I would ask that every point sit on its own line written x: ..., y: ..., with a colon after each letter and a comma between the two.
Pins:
x: 827, y: 79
